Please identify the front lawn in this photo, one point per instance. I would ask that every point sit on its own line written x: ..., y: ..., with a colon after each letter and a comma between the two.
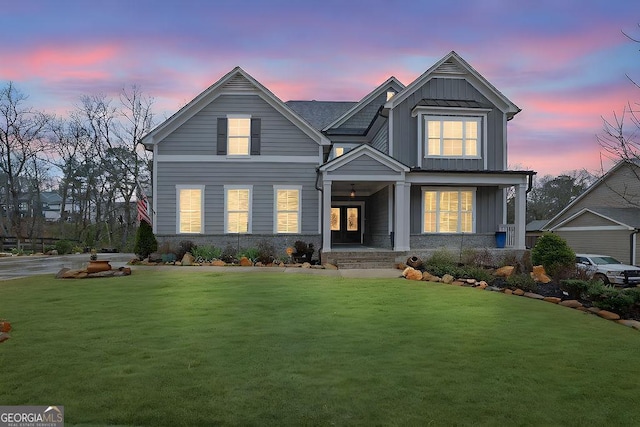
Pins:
x: 204, y: 348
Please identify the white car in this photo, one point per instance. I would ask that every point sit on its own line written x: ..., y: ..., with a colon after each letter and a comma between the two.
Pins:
x: 609, y: 269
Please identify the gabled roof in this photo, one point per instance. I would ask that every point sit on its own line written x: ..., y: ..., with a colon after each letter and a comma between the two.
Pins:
x: 390, y: 83
x: 624, y: 217
x: 536, y: 225
x: 235, y: 81
x: 365, y: 150
x: 592, y: 187
x: 453, y: 64
x: 320, y: 113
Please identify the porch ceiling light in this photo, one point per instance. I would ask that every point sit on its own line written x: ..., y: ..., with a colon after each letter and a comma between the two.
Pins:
x: 353, y: 192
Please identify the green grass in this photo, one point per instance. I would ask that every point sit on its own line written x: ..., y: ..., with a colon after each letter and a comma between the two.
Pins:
x: 201, y: 348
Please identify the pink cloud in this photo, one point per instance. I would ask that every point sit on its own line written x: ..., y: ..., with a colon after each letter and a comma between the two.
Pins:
x: 55, y: 63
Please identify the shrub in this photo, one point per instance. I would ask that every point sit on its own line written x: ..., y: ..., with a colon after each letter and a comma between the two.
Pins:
x: 477, y: 257
x: 207, y: 253
x: 576, y: 288
x: 145, y: 241
x: 473, y: 272
x: 229, y: 255
x: 184, y: 247
x: 251, y: 253
x: 442, y: 257
x: 522, y: 281
x: 615, y: 300
x: 64, y: 247
x: 553, y: 252
x: 300, y: 247
x: 266, y: 252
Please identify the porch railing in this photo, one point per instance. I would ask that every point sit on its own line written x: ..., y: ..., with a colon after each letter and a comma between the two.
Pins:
x: 510, y: 229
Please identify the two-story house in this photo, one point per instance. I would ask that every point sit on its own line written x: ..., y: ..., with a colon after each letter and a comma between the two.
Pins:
x: 405, y: 168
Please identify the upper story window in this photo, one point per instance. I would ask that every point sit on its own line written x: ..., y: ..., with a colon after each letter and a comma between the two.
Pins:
x: 238, y: 136
x: 450, y: 136
x: 340, y: 149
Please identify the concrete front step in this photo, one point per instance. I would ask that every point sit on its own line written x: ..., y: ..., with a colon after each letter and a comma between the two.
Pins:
x: 364, y: 259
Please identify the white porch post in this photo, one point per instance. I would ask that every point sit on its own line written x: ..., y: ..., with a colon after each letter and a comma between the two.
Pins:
x: 402, y: 217
x: 326, y: 216
x: 520, y: 216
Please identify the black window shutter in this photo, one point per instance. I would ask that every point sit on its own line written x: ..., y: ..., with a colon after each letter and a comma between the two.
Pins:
x: 255, y: 136
x: 222, y: 136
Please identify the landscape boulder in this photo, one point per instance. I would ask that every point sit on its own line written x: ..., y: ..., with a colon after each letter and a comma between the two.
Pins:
x: 540, y: 275
x: 505, y: 271
x: 245, y: 262
x: 187, y: 259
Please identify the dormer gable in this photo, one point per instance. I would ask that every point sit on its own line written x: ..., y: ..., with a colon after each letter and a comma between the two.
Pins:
x: 359, y: 118
x: 452, y: 65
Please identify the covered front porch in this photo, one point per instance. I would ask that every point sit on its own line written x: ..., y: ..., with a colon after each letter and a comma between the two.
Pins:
x: 371, y: 201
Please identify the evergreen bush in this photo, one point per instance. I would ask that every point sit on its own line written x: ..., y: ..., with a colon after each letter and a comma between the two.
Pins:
x: 146, y: 242
x: 553, y: 253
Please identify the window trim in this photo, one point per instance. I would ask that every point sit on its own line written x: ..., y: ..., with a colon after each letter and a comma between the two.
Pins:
x: 249, y: 212
x: 239, y: 116
x: 440, y: 189
x: 190, y: 187
x: 452, y: 113
x: 275, y: 208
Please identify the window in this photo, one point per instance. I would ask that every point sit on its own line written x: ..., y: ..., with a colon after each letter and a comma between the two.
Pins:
x: 390, y: 94
x: 339, y: 151
x: 452, y: 136
x: 237, y: 207
x: 239, y: 136
x: 190, y: 209
x: 287, y: 207
x: 448, y: 211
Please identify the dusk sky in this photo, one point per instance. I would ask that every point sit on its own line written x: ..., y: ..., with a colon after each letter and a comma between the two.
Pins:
x: 565, y: 63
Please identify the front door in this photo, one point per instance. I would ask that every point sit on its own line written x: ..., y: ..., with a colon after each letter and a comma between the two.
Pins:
x: 345, y: 225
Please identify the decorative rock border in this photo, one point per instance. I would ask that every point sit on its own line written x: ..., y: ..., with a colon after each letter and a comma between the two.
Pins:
x: 410, y: 273
x: 188, y: 260
x: 67, y: 273
x: 5, y: 328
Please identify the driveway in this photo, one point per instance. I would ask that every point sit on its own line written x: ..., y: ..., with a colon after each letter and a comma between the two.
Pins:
x: 22, y: 266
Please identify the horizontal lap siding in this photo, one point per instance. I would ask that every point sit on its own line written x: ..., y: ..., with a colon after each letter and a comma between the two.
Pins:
x: 613, y: 243
x: 405, y: 128
x: 262, y: 176
x: 588, y: 219
x: 279, y: 137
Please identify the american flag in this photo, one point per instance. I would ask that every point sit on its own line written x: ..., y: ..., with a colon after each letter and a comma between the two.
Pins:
x: 143, y: 206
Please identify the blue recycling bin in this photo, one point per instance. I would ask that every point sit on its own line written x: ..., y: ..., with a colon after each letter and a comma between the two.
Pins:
x: 501, y: 239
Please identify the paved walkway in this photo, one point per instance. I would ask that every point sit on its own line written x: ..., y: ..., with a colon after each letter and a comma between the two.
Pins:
x: 23, y: 266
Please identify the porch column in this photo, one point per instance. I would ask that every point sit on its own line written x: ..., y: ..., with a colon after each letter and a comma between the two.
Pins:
x: 402, y: 217
x: 520, y: 216
x: 326, y: 216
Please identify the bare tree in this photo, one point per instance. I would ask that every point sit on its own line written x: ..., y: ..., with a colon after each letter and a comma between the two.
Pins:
x: 620, y: 142
x: 22, y: 141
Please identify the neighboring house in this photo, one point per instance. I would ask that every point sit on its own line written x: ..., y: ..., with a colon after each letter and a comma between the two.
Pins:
x: 405, y: 168
x: 605, y: 219
x: 534, y: 230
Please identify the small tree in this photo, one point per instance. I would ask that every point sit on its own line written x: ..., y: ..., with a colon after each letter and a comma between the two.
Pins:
x: 146, y: 242
x: 553, y: 253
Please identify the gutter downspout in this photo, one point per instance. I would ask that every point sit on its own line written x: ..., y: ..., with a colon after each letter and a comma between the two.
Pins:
x: 633, y: 243
x: 321, y: 190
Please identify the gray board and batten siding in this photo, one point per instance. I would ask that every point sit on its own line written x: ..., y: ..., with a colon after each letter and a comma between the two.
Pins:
x: 405, y: 128
x: 488, y: 214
